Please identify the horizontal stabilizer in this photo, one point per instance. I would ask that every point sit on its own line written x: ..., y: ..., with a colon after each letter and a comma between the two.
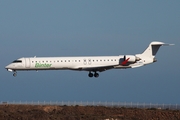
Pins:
x: 160, y: 43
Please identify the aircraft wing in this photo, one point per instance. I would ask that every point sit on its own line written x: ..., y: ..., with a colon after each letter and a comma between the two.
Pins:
x: 135, y: 65
x: 102, y: 68
x: 99, y: 68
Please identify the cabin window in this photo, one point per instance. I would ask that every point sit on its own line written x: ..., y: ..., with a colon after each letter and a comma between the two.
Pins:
x: 75, y: 60
x: 68, y: 60
x: 79, y: 60
x: 65, y: 61
x: 32, y: 61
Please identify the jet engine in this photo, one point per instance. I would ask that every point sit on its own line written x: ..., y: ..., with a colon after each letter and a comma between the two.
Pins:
x: 129, y: 59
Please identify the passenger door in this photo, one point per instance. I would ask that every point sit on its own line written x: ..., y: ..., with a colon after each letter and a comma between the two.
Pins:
x: 89, y: 61
x: 85, y: 61
x: 27, y: 62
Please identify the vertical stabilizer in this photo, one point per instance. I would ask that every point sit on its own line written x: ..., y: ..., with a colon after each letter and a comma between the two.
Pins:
x: 149, y: 54
x: 153, y: 49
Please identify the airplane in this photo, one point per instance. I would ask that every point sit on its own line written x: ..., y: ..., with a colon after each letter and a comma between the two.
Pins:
x: 92, y: 64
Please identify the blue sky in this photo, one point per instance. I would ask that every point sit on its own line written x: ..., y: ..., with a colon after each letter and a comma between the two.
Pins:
x: 81, y: 27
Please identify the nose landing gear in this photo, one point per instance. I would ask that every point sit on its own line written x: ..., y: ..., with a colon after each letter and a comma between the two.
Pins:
x: 15, y: 74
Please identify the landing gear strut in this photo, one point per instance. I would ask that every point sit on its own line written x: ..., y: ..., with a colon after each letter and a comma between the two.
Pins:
x: 95, y: 74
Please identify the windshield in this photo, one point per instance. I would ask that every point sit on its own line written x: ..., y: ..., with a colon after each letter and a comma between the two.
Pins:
x: 17, y: 61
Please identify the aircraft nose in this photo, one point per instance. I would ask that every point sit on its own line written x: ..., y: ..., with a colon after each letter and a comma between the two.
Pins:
x: 9, y: 66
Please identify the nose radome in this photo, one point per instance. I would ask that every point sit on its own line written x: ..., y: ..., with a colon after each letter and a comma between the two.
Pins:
x: 8, y: 66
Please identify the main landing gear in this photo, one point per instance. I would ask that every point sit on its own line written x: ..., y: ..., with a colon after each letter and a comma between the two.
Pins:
x: 95, y: 74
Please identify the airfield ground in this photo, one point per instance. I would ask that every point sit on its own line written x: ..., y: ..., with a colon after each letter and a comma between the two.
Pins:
x: 47, y: 112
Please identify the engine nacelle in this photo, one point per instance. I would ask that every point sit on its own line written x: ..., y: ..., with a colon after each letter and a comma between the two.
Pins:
x: 131, y: 58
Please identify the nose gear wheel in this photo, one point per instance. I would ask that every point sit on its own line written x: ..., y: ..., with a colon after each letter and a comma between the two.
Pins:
x: 15, y: 74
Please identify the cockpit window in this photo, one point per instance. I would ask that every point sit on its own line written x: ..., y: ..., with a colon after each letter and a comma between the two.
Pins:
x: 17, y: 61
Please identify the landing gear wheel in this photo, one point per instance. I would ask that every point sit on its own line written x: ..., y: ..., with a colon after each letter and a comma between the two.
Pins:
x: 96, y: 75
x: 14, y: 74
x: 90, y: 74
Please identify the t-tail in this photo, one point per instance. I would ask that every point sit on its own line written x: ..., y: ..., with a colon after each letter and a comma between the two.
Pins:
x: 148, y: 56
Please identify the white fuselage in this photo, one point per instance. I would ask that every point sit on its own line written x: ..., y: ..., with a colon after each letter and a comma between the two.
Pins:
x: 73, y: 63
x: 92, y: 63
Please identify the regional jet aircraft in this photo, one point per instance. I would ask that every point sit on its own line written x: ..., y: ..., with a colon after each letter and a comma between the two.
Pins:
x: 92, y: 64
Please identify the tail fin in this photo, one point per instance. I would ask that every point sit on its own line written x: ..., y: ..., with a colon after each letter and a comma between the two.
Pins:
x: 151, y: 51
